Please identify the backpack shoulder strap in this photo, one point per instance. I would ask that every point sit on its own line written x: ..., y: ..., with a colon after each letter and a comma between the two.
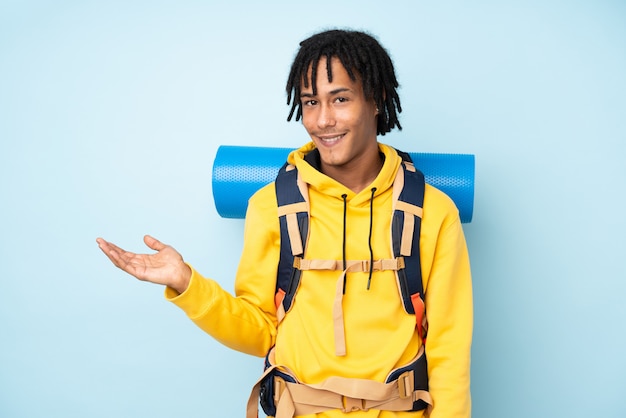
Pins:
x: 406, y: 227
x: 293, y: 214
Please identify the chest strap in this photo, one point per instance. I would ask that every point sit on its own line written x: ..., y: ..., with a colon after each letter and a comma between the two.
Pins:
x: 352, y: 266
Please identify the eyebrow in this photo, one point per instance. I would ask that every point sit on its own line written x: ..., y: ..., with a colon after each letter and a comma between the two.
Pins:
x: 332, y: 92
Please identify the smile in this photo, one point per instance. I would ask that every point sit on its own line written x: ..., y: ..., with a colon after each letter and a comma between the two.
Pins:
x: 331, y: 139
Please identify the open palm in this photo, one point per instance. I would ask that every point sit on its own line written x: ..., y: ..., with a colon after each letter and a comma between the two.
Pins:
x: 165, y: 267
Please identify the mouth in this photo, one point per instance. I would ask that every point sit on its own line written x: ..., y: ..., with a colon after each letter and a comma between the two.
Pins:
x: 330, y: 139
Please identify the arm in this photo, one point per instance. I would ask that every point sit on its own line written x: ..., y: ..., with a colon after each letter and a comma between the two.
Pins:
x: 246, y: 322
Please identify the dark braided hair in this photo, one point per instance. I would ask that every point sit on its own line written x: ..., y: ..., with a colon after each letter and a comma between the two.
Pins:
x: 363, y: 57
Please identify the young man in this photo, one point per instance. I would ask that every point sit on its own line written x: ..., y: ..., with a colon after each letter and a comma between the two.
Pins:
x: 346, y: 345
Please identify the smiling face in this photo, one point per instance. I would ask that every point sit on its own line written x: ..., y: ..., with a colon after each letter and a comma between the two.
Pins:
x: 341, y: 121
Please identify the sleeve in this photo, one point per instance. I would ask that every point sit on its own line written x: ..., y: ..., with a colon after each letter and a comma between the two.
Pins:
x: 449, y: 309
x: 247, y: 321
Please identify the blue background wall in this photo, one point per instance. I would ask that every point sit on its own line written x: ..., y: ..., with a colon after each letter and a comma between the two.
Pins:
x: 110, y: 117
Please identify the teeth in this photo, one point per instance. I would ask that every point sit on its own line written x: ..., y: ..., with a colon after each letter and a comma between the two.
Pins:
x: 335, y: 138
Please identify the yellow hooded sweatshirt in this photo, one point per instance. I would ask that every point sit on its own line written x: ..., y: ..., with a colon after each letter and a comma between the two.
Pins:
x: 379, y: 335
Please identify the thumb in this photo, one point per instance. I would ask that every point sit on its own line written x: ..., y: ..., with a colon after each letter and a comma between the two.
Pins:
x: 153, y: 243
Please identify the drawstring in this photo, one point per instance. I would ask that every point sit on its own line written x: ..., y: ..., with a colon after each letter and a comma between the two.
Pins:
x: 369, y: 239
x: 345, y: 208
x: 338, y: 323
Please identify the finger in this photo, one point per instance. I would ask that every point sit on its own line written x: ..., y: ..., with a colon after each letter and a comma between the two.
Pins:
x: 111, y: 251
x: 118, y: 256
x: 108, y: 247
x: 102, y: 242
x: 129, y: 262
x: 153, y: 243
x: 103, y: 245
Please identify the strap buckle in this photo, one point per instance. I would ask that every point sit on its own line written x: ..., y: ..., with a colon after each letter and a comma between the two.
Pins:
x: 296, y: 262
x: 405, y: 385
x: 353, y: 404
x: 279, y: 387
x: 401, y: 264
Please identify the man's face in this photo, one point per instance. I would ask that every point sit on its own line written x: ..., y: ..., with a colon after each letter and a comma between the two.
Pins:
x: 340, y: 120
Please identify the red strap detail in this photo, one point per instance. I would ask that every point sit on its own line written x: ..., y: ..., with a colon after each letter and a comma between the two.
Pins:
x: 278, y: 298
x: 419, y: 308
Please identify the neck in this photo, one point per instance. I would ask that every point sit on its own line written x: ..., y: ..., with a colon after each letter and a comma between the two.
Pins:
x: 357, y: 175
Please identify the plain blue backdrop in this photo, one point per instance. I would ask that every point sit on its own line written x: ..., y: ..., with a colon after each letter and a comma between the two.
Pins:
x: 110, y: 116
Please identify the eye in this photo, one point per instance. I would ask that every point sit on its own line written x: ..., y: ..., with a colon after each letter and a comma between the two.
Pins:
x: 309, y: 102
x: 341, y: 99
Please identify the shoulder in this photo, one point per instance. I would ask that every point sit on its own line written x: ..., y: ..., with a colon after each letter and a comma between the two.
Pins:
x: 438, y: 206
x: 436, y: 197
x: 263, y: 200
x: 261, y: 222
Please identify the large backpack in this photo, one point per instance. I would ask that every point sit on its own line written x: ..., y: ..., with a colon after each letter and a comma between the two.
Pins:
x: 293, y: 212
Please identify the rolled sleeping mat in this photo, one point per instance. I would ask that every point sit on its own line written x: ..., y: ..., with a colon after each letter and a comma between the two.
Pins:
x: 239, y: 171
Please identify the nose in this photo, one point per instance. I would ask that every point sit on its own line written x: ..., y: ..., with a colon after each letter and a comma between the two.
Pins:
x: 326, y: 116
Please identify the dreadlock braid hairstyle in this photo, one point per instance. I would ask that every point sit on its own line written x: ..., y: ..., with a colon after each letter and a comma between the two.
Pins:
x: 363, y: 57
